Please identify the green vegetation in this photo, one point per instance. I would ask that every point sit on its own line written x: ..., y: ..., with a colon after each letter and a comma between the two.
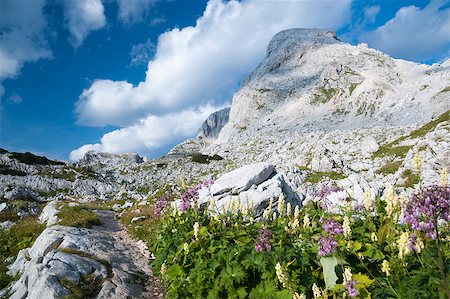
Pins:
x: 87, y: 287
x: 411, y: 178
x: 78, y: 216
x: 21, y: 235
x: 263, y: 90
x: 353, y: 87
x: 423, y: 87
x: 391, y: 167
x: 30, y: 159
x: 391, y: 149
x: 204, y: 159
x: 229, y: 255
x: 53, y: 193
x: 5, y: 170
x: 324, y: 95
x: 317, y: 176
x: 143, y: 228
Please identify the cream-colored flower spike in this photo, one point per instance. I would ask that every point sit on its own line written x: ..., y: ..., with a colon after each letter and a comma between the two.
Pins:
x: 444, y: 177
x: 418, y: 162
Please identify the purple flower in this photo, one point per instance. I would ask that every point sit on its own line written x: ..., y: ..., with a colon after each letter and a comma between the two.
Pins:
x: 327, y: 190
x: 185, y: 202
x: 162, y: 203
x: 352, y: 291
x: 208, y: 183
x: 427, y: 207
x: 264, y: 240
x: 327, y: 245
x: 332, y: 227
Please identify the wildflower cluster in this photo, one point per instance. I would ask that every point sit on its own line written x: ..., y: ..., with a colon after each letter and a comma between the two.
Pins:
x: 162, y: 203
x: 427, y: 207
x: 264, y: 240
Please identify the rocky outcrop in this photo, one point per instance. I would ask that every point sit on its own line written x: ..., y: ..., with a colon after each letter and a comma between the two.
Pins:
x: 92, y: 158
x: 251, y: 186
x: 212, y: 126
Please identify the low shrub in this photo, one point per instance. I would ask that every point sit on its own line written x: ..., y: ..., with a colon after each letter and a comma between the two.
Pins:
x: 78, y: 216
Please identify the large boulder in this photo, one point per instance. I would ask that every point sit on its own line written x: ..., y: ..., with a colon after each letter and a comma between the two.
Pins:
x: 49, y: 214
x: 242, y: 179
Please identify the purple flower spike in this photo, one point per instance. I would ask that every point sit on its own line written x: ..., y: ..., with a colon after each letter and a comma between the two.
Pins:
x: 264, y: 240
x: 333, y: 227
x: 352, y: 291
x: 327, y: 245
x: 162, y: 203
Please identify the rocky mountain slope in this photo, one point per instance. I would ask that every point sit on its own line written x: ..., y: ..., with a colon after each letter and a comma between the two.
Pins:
x: 316, y: 113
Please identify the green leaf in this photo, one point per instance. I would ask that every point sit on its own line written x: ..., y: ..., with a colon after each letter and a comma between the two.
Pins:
x: 362, y: 279
x: 329, y: 274
x: 242, y: 293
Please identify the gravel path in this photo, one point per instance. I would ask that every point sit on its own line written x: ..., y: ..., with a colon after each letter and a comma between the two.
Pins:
x: 150, y: 285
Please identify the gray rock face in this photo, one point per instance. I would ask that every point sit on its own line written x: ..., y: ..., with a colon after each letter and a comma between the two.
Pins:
x: 212, y: 126
x: 66, y: 255
x: 49, y: 214
x: 242, y: 178
x: 94, y: 158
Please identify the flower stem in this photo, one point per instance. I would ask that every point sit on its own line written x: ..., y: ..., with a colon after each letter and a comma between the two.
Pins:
x: 441, y: 263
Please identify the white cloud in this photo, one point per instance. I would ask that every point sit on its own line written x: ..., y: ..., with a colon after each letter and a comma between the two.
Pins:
x: 149, y: 134
x: 141, y: 53
x: 83, y: 17
x: 202, y: 64
x: 22, y: 30
x: 133, y: 11
x: 193, y: 67
x: 414, y: 33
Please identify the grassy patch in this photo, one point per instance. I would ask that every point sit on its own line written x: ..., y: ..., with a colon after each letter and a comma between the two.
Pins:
x: 5, y: 170
x: 87, y: 287
x: 78, y: 216
x: 352, y: 87
x: 144, y: 228
x: 400, y: 151
x: 324, y: 95
x: 391, y: 167
x: 21, y: 235
x: 317, y: 176
x: 411, y: 178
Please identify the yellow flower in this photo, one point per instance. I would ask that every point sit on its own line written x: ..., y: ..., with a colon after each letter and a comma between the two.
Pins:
x: 374, y: 237
x: 368, y: 205
x: 280, y: 274
x: 288, y: 209
x: 347, y: 275
x: 281, y: 204
x: 196, y: 229
x: 316, y: 291
x: 386, y: 268
x: 444, y: 177
x: 346, y: 227
x: 299, y: 296
x: 418, y: 161
x: 297, y: 211
x: 391, y: 200
x: 186, y: 247
x: 402, y: 245
x: 306, y: 221
x: 274, y: 216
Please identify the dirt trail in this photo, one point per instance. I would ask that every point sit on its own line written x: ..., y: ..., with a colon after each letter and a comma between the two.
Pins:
x: 152, y: 287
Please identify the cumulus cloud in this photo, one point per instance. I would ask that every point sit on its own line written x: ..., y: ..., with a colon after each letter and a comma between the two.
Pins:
x: 83, y: 17
x: 202, y: 64
x: 22, y: 38
x: 414, y: 33
x: 150, y: 133
x: 193, y: 67
x: 133, y: 11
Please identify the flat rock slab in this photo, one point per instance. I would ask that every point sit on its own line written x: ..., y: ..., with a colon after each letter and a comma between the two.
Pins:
x: 105, y: 256
x: 242, y: 178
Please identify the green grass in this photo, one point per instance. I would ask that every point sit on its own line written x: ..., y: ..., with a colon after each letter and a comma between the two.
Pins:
x: 411, y: 178
x: 21, y: 235
x: 204, y: 159
x: 142, y: 229
x: 78, y: 216
x: 391, y: 167
x: 30, y: 159
x: 391, y: 149
x: 324, y: 95
x: 353, y: 87
x: 5, y: 170
x: 447, y: 89
x: 317, y: 176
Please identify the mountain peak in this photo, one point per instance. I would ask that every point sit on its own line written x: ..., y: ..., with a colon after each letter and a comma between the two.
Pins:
x: 299, y: 37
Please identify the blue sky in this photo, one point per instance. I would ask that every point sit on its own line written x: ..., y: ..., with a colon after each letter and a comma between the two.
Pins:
x: 75, y: 75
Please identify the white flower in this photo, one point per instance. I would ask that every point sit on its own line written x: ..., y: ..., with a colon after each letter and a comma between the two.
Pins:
x: 196, y: 229
x: 418, y: 161
x: 402, y: 245
x: 374, y: 237
x: 386, y: 268
x: 444, y: 177
x: 297, y: 211
x: 281, y: 204
x: 391, y: 200
x: 347, y: 275
x: 163, y: 269
x: 368, y: 204
x: 306, y: 221
x: 274, y: 216
x: 288, y: 209
x: 346, y: 227
x: 316, y: 291
x: 280, y: 275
